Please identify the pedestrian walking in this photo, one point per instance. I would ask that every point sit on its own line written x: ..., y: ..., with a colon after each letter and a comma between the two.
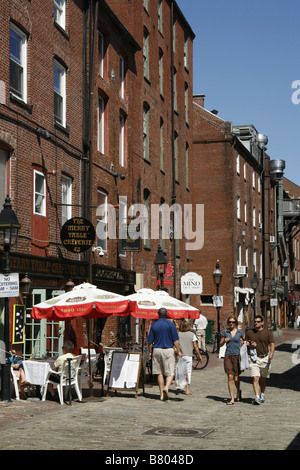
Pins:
x: 200, y: 324
x: 262, y: 341
x: 232, y: 337
x: 187, y: 342
x: 162, y: 338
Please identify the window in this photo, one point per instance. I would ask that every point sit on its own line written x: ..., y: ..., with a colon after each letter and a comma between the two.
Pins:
x: 18, y: 63
x: 39, y: 194
x: 162, y: 224
x: 175, y: 89
x: 254, y: 262
x: 59, y: 93
x: 186, y: 102
x: 253, y: 179
x: 185, y: 52
x: 176, y: 155
x: 254, y: 217
x: 3, y: 176
x: 245, y: 212
x: 238, y: 207
x: 146, y: 231
x: 186, y: 165
x: 161, y: 139
x: 174, y: 34
x: 146, y: 53
x: 60, y: 13
x: 160, y: 16
x: 259, y: 220
x: 146, y: 131
x: 123, y: 220
x: 160, y: 71
x: 258, y: 184
x: 239, y: 254
x: 66, y: 198
x: 247, y: 258
x: 100, y: 54
x: 122, y: 144
x: 122, y: 77
x: 145, y: 3
x: 102, y: 220
x: 100, y: 125
x: 237, y: 163
x: 245, y: 170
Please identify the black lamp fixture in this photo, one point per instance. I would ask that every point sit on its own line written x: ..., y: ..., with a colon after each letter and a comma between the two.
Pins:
x: 217, y: 276
x: 9, y: 228
x: 25, y: 284
x: 254, y: 281
x: 160, y: 263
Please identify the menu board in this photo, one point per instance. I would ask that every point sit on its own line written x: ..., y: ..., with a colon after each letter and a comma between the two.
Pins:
x: 125, y: 371
x: 18, y: 324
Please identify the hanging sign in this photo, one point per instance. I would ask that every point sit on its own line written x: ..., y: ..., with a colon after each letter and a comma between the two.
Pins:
x: 77, y: 235
x: 9, y: 285
x: 18, y: 324
x: 191, y: 283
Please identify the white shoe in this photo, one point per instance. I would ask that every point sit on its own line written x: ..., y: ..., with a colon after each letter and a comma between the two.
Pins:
x: 262, y: 398
x: 256, y: 401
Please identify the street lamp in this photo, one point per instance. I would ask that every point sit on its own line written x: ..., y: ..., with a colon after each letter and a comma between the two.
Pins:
x: 25, y: 284
x: 254, y: 283
x: 217, y: 276
x: 160, y: 266
x: 9, y: 227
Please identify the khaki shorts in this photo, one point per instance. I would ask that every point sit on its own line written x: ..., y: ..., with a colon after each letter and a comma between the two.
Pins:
x: 163, y: 361
x: 260, y: 368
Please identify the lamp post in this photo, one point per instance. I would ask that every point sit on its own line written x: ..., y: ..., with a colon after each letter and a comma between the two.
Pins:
x: 292, y: 285
x: 25, y: 284
x: 254, y: 283
x: 160, y: 266
x: 217, y: 276
x: 9, y: 227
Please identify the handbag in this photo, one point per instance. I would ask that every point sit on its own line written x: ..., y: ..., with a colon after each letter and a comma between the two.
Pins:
x: 181, y: 377
x: 243, y: 359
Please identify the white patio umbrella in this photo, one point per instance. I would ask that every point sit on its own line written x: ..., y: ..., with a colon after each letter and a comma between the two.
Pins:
x: 85, y: 300
x: 145, y: 304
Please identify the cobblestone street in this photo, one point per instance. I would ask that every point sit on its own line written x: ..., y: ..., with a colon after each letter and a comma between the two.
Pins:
x: 201, y: 421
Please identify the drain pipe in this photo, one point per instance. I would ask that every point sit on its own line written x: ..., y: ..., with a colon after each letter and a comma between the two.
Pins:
x: 173, y: 150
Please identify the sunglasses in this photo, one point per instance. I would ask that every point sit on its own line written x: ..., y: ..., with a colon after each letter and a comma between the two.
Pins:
x: 231, y: 321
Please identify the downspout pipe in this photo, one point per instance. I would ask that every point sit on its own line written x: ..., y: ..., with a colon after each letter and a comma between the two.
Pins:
x: 173, y: 148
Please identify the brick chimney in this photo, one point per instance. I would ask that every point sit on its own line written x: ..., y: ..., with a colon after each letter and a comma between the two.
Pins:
x: 199, y: 99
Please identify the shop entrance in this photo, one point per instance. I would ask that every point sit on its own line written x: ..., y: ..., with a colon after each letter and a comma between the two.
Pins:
x: 42, y: 338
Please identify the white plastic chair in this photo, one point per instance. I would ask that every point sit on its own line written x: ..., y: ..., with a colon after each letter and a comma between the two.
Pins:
x: 15, y: 382
x: 64, y: 379
x: 108, y: 352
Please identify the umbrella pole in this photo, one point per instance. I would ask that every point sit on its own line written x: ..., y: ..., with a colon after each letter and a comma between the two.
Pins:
x: 89, y: 356
x: 143, y: 367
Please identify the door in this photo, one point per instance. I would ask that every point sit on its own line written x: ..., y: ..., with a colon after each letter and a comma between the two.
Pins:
x: 42, y: 338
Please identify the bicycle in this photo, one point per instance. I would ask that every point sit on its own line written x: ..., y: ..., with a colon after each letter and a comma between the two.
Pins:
x: 197, y: 363
x: 213, y: 343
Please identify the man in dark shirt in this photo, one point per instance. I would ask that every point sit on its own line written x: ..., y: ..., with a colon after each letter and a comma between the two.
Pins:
x: 262, y: 340
x: 162, y: 337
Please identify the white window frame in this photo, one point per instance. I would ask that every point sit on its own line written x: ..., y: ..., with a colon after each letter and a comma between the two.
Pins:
x: 186, y: 102
x: 100, y: 54
x: 238, y: 207
x: 66, y: 198
x: 20, y: 62
x: 237, y: 163
x: 38, y: 194
x: 186, y: 52
x: 245, y: 170
x: 101, y: 125
x: 59, y: 13
x: 254, y: 216
x: 146, y: 153
x: 161, y: 140
x: 123, y: 220
x: 161, y: 71
x: 61, y: 92
x: 253, y: 178
x: 102, y: 219
x: 122, y: 144
x: 146, y: 224
x: 122, y: 77
x: 146, y: 53
x: 159, y: 12
x: 245, y: 212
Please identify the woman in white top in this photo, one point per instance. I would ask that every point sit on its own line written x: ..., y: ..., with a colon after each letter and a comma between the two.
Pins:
x: 187, y: 342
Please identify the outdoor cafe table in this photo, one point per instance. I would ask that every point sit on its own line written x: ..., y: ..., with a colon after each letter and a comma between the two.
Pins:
x: 36, y: 371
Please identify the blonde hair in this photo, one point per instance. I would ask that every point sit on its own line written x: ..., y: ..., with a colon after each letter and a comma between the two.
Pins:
x: 185, y: 325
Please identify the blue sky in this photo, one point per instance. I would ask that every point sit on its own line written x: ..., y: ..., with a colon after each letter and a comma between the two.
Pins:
x: 246, y: 58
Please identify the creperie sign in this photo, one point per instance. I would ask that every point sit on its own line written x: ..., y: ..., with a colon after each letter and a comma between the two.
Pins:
x: 191, y: 283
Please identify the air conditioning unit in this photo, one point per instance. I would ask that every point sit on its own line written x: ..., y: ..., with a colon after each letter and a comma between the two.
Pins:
x: 242, y: 270
x: 272, y: 239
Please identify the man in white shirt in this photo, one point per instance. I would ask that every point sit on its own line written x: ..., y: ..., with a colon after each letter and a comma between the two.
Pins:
x: 200, y: 324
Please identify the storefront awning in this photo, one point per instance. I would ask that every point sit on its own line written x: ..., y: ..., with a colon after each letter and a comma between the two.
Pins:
x: 246, y: 291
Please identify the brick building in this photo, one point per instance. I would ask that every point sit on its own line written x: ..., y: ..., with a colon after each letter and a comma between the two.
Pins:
x: 94, y: 111
x: 227, y: 180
